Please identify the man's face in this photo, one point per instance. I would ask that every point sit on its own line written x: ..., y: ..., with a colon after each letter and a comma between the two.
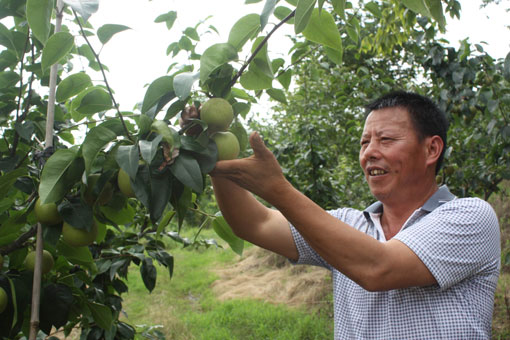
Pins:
x: 392, y: 156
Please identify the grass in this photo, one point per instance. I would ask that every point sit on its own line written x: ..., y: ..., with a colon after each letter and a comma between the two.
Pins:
x: 186, y: 308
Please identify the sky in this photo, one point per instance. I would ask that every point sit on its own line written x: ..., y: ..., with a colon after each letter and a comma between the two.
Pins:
x: 138, y: 56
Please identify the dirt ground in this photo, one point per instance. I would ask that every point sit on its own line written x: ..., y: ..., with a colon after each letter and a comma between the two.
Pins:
x: 260, y: 274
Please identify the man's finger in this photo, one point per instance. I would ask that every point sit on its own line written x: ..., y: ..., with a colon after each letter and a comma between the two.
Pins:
x: 258, y: 146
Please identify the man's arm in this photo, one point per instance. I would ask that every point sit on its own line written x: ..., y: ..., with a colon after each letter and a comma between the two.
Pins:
x: 252, y: 221
x: 372, y: 264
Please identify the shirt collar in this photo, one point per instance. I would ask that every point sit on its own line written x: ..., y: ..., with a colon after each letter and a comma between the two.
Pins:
x: 441, y: 196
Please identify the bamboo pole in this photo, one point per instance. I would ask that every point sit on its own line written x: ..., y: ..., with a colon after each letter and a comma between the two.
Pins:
x: 50, y: 120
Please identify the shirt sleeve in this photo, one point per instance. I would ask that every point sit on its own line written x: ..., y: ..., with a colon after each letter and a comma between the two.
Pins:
x: 307, y: 255
x: 457, y: 240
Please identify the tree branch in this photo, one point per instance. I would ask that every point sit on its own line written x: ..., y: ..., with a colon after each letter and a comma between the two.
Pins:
x: 104, y: 76
x: 259, y: 47
x: 19, y: 242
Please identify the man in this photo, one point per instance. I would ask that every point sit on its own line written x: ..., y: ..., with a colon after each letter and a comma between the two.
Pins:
x: 418, y: 264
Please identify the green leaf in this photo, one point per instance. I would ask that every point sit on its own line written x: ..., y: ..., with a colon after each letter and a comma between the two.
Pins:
x: 241, y: 109
x: 373, y: 8
x: 183, y: 82
x: 261, y: 63
x: 161, y: 190
x: 168, y: 18
x: 106, y: 32
x: 95, y: 141
x: 417, y: 6
x: 124, y: 216
x: 334, y: 55
x: 255, y: 80
x: 506, y: 70
x: 266, y: 12
x: 102, y: 315
x: 57, y: 47
x: 127, y: 158
x: 322, y: 29
x: 285, y: 78
x: 243, y: 30
x: 436, y: 11
x: 72, y: 85
x: 240, y: 132
x: 56, y: 303
x: 192, y: 33
x: 156, y: 90
x: 8, y: 79
x: 277, y: 94
x: 39, y: 18
x: 281, y: 12
x: 224, y: 231
x: 149, y: 274
x: 54, y: 184
x: 339, y: 7
x: 303, y: 12
x: 187, y: 171
x: 215, y: 56
x: 148, y: 149
x: 84, y: 7
x: 77, y: 255
x: 6, y: 38
x: 8, y: 179
x: 96, y: 100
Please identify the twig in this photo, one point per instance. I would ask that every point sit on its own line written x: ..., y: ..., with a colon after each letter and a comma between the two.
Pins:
x: 36, y: 288
x: 259, y: 47
x: 19, y: 242
x: 104, y: 76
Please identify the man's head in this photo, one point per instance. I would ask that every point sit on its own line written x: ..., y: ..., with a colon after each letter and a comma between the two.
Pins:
x: 428, y: 120
x: 400, y: 150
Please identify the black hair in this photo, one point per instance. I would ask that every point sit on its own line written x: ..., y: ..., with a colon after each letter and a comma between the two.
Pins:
x: 428, y: 119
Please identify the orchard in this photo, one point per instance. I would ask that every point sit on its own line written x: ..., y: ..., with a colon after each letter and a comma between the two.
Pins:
x: 90, y: 191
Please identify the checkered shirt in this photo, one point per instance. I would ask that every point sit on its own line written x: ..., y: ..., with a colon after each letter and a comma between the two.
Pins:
x: 458, y: 239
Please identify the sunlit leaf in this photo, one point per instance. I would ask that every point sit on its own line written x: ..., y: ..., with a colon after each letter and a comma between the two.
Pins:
x: 95, y: 141
x: 106, y: 32
x: 156, y: 90
x: 303, y: 12
x: 53, y: 184
x: 322, y: 29
x: 339, y: 8
x: 243, y: 30
x: 183, y: 82
x: 224, y: 231
x: 215, y: 56
x: 95, y: 101
x: 57, y: 47
x: 72, y: 85
x: 39, y: 18
x: 84, y: 7
x: 8, y: 79
x: 417, y: 6
x: 277, y: 94
x: 168, y: 18
x: 266, y: 12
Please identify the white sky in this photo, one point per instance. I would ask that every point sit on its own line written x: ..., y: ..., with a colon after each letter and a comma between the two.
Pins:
x: 138, y: 56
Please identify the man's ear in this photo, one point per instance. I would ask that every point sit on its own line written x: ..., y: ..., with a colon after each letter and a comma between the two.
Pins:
x: 434, y: 146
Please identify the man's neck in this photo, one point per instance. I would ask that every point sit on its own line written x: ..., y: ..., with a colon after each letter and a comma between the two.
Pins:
x: 395, y: 214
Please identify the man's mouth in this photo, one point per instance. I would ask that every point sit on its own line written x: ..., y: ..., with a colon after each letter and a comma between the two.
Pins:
x: 376, y: 172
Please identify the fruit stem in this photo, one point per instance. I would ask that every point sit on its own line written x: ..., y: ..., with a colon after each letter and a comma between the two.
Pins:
x: 259, y: 47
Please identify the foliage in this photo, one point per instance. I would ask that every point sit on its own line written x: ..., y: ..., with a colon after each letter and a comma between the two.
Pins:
x: 43, y: 97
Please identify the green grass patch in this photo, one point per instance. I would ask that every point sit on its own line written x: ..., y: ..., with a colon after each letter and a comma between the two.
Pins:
x: 186, y: 307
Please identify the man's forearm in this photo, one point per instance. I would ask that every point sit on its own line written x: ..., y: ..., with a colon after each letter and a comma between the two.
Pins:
x: 251, y: 220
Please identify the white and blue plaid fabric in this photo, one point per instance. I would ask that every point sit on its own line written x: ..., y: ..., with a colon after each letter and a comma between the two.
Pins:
x: 458, y: 239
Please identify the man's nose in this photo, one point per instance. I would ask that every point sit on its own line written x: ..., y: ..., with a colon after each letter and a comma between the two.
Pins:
x: 370, y: 151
